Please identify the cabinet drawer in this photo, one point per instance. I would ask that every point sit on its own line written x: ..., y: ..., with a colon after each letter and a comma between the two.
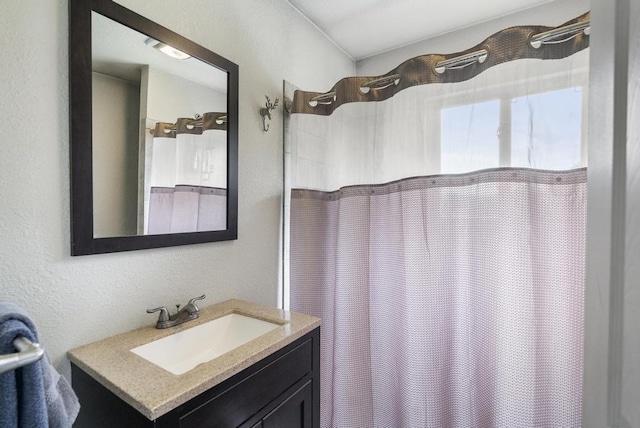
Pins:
x: 295, y: 411
x: 231, y: 407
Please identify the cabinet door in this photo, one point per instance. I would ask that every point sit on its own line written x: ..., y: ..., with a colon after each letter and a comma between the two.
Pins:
x: 235, y: 401
x: 293, y: 412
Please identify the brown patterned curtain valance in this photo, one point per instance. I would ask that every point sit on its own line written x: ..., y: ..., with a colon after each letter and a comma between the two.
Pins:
x: 507, y: 45
x: 210, y: 120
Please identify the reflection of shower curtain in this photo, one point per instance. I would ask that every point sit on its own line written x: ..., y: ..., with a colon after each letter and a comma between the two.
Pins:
x: 446, y: 300
x: 186, y: 189
x: 187, y: 209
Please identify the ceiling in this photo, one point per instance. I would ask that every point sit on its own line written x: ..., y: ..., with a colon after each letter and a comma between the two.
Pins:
x: 364, y: 28
x: 119, y: 51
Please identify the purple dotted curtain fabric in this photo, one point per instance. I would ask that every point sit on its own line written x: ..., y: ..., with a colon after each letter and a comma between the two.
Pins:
x: 185, y: 208
x: 446, y: 301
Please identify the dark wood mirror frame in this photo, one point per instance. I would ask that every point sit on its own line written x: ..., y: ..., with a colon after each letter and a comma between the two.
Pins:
x: 83, y: 241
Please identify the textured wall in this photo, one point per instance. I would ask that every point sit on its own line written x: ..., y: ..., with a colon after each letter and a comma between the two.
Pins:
x: 75, y: 300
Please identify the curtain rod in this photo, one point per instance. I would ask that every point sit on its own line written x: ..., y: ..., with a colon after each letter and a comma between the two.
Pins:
x: 553, y: 36
x: 462, y: 61
x: 537, y: 42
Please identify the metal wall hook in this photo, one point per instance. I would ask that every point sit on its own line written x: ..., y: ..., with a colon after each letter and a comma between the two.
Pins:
x: 265, y: 112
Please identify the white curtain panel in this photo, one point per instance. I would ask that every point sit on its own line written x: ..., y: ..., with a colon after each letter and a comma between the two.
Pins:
x: 449, y: 297
x: 526, y: 113
x: 201, y: 159
x: 187, y: 184
x: 214, y: 159
x: 163, y: 162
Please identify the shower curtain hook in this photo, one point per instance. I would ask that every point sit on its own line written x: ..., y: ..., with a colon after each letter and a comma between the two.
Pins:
x: 265, y: 112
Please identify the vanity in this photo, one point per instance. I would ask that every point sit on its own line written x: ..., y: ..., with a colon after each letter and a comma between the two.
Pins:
x: 269, y: 381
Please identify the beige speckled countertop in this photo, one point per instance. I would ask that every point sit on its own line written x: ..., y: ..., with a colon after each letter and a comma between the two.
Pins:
x: 152, y: 390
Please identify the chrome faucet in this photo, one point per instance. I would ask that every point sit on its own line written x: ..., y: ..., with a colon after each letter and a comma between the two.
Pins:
x: 187, y: 313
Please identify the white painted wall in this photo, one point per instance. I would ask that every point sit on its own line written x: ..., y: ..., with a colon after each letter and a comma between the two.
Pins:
x: 115, y: 111
x: 612, y: 301
x: 76, y: 300
x: 170, y: 97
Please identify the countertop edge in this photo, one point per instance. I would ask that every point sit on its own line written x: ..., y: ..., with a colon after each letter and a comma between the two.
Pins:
x: 206, y: 385
x: 88, y: 357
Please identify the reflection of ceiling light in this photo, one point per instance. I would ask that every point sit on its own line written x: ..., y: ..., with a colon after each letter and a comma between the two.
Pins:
x: 166, y: 49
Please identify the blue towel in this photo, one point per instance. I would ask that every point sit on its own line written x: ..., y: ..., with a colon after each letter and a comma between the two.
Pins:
x: 35, y: 395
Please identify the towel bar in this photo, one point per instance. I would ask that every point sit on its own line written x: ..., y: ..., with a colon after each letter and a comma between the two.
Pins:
x: 29, y: 353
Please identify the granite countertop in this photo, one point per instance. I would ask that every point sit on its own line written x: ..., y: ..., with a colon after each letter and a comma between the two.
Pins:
x: 154, y: 391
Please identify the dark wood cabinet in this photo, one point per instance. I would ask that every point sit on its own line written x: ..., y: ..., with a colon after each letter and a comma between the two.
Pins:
x: 282, y: 391
x: 294, y: 411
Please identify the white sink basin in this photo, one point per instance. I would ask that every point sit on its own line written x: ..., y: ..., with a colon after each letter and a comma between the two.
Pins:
x: 185, y: 350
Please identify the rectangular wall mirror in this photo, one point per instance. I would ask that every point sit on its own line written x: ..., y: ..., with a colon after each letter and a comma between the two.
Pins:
x: 154, y: 134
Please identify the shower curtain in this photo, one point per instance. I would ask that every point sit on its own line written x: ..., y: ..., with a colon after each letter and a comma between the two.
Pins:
x: 439, y: 232
x: 185, y: 190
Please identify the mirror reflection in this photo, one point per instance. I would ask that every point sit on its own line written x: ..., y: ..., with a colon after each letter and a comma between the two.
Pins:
x: 159, y: 136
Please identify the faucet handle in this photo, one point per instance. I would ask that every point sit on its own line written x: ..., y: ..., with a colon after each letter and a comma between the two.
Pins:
x: 164, y: 313
x: 193, y: 301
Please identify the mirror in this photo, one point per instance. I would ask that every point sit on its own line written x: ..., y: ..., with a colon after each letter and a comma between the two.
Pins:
x: 153, y: 134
